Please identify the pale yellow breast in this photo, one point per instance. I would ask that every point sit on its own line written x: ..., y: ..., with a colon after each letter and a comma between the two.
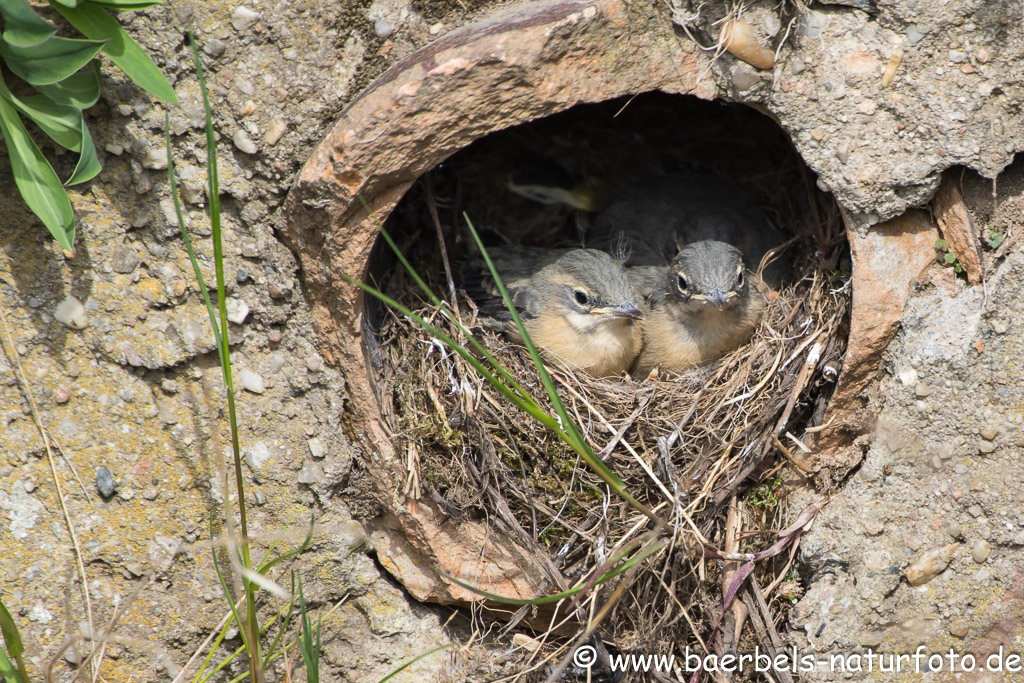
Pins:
x: 675, y: 342
x: 607, y: 351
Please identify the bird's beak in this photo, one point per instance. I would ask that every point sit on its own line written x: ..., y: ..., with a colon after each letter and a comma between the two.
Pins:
x: 716, y: 297
x: 623, y: 310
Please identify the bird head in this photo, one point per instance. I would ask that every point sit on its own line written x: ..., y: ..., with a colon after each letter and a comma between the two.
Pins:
x: 708, y: 274
x: 589, y: 289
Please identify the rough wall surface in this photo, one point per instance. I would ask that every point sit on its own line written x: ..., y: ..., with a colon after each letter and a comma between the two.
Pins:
x: 137, y: 390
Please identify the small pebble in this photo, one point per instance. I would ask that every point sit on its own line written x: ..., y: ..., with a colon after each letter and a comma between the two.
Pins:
x: 259, y: 497
x: 986, y: 447
x: 812, y: 24
x: 214, y: 47
x: 256, y: 454
x: 277, y: 361
x: 871, y: 639
x: 382, y: 28
x: 316, y: 448
x: 955, y: 530
x: 155, y: 159
x: 958, y: 628
x: 999, y: 326
x: 124, y: 260
x: 243, y: 142
x: 914, y: 34
x: 922, y: 390
x: 989, y: 432
x: 237, y: 310
x: 244, y: 18
x: 744, y: 77
x: 274, y: 336
x: 71, y: 313
x: 873, y: 527
x: 29, y: 485
x: 61, y: 395
x: 275, y: 130
x: 314, y: 364
x: 982, y: 55
x: 980, y: 551
x: 105, y: 482
x: 974, y: 511
x: 310, y: 474
x: 251, y: 381
x: 929, y: 565
x: 242, y: 276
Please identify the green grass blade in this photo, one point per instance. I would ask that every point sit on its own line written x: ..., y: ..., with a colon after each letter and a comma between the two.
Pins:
x: 36, y: 180
x: 80, y: 90
x: 308, y: 646
x: 15, y: 648
x: 448, y: 313
x: 22, y: 26
x: 567, y: 428
x: 125, y: 5
x: 531, y: 408
x: 51, y: 61
x: 267, y: 566
x: 94, y: 22
x: 414, y: 660
x: 88, y: 163
x: 172, y: 178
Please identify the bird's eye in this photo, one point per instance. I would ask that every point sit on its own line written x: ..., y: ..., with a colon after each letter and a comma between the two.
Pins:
x: 681, y: 283
x: 739, y: 279
x: 580, y: 297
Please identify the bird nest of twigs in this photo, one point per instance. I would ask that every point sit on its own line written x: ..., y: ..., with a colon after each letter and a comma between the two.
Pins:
x: 707, y: 451
x: 683, y: 445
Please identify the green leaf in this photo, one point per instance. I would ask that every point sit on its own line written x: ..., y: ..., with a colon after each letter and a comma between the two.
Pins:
x: 88, y: 163
x: 36, y: 179
x: 949, y: 257
x: 941, y: 245
x: 125, y: 5
x: 62, y: 123
x: 51, y: 61
x: 22, y: 26
x: 995, y: 239
x: 80, y: 90
x: 95, y: 23
x: 9, y: 629
x: 66, y: 3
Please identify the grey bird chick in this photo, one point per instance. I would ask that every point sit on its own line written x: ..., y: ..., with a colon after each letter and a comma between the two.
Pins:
x: 576, y: 304
x: 702, y: 306
x: 653, y: 220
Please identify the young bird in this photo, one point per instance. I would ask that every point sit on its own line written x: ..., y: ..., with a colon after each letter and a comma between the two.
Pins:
x: 656, y: 218
x: 702, y: 306
x: 576, y: 304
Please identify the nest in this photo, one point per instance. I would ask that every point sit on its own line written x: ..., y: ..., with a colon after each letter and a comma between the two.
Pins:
x: 688, y: 447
